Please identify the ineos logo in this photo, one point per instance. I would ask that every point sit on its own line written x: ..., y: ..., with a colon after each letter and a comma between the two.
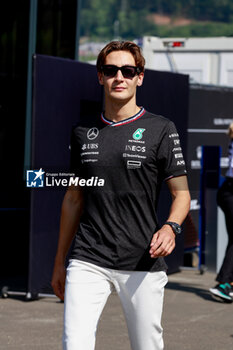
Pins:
x: 92, y: 133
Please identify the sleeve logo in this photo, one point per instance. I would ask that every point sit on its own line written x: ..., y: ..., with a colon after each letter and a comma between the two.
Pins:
x: 137, y: 135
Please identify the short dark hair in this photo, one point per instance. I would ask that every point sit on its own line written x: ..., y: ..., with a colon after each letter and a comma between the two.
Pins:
x: 121, y: 46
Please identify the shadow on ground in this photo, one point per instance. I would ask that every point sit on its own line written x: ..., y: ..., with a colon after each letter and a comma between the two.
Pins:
x: 200, y: 292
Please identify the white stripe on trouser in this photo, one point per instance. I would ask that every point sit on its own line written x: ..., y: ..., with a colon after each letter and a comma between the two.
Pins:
x: 88, y: 287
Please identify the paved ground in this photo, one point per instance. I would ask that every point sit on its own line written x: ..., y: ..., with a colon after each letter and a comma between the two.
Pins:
x: 192, y: 320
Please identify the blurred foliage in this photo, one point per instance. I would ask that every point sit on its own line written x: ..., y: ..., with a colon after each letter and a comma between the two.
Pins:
x: 129, y: 19
x: 209, y: 29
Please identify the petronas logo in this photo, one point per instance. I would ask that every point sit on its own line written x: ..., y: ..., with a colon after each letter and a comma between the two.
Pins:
x: 137, y: 135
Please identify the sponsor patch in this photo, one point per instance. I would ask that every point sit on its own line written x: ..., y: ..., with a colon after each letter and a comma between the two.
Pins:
x: 133, y: 164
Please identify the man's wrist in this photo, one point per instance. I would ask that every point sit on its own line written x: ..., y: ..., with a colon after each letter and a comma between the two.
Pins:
x: 176, y: 228
x: 60, y: 259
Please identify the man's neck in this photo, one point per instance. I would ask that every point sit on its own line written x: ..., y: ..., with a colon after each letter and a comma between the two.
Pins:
x: 120, y: 111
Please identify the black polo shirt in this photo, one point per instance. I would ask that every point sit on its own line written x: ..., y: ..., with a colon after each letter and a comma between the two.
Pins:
x: 126, y: 163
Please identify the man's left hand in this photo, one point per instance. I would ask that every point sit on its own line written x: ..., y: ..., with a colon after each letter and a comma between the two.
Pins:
x: 163, y: 242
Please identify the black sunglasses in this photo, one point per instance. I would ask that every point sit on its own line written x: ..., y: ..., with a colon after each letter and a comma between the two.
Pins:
x: 129, y: 72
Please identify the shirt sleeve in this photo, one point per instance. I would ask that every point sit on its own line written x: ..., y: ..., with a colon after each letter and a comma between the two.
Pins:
x: 75, y: 158
x: 170, y: 157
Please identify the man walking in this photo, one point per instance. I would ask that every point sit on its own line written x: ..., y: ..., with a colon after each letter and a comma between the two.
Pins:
x: 117, y: 242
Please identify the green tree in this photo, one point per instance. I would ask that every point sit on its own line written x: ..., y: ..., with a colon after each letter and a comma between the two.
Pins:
x: 129, y: 19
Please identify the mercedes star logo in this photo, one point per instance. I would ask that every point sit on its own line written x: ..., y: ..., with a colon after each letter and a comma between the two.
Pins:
x: 92, y: 133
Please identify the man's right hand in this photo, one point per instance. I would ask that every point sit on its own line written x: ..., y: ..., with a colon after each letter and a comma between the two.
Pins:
x: 58, y: 280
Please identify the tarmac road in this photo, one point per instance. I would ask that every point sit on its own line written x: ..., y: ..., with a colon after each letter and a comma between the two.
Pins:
x: 192, y: 320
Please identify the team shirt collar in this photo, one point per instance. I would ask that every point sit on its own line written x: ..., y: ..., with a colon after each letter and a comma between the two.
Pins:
x: 125, y: 121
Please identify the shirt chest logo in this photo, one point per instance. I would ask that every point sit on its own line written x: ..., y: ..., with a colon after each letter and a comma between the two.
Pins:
x: 137, y: 135
x: 92, y: 133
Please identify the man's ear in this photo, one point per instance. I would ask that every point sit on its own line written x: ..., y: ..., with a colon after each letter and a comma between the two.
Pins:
x: 140, y: 79
x: 100, y: 78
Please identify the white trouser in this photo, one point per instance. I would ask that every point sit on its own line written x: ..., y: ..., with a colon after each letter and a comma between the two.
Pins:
x: 88, y: 287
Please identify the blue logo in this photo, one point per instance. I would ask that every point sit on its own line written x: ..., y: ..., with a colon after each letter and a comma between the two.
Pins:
x: 35, y: 178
